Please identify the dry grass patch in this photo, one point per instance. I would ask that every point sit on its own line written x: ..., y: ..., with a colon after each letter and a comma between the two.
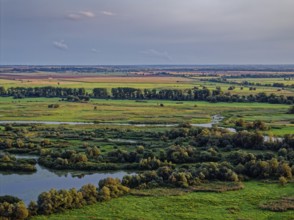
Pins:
x: 280, y: 205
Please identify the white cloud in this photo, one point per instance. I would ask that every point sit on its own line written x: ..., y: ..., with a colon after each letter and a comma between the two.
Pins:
x: 73, y: 16
x: 108, y: 13
x: 155, y: 53
x: 80, y: 15
x: 60, y: 45
x: 87, y: 14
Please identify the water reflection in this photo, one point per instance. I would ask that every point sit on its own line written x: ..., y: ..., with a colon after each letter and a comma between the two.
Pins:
x: 27, y: 186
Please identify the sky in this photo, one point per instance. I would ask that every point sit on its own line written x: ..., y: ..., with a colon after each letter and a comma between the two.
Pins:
x: 125, y: 32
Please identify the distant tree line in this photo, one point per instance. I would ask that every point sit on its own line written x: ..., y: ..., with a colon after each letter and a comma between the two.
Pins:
x: 247, y: 83
x: 194, y: 94
x: 258, y: 75
x: 47, y: 91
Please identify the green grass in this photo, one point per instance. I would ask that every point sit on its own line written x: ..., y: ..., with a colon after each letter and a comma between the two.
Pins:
x: 144, y: 112
x: 243, y: 204
x: 280, y: 131
x: 107, y: 110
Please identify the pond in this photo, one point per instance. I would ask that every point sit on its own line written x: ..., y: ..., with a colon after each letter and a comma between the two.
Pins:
x: 28, y: 186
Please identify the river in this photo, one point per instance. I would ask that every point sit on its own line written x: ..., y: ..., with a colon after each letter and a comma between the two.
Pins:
x: 215, y: 119
x: 28, y: 186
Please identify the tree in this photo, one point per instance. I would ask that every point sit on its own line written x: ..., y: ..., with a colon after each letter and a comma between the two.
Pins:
x: 111, y: 188
x: 90, y: 193
x: 104, y: 194
x: 21, y: 212
x: 33, y: 208
x: 17, y: 211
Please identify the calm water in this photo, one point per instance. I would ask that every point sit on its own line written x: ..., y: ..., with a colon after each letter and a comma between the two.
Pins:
x: 28, y: 186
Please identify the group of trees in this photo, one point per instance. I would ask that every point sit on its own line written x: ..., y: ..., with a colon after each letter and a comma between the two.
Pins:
x: 188, y: 154
x: 18, y: 143
x: 181, y: 177
x: 93, y: 160
x: 222, y: 139
x: 260, y: 166
x: 13, y: 210
x: 195, y: 94
x: 10, y: 163
x: 255, y: 125
x: 47, y: 91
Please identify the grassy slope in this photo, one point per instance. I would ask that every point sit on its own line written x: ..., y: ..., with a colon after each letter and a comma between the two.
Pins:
x: 241, y: 204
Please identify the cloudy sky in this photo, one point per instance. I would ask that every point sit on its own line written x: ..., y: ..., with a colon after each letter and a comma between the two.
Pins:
x: 147, y: 32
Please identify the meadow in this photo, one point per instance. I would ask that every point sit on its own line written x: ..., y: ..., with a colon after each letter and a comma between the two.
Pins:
x: 148, y: 112
x: 177, y: 204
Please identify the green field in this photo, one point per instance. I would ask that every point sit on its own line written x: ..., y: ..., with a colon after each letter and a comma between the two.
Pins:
x: 164, y: 204
x: 130, y: 111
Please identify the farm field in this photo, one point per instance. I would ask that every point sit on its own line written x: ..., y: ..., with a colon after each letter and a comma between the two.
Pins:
x: 145, y: 82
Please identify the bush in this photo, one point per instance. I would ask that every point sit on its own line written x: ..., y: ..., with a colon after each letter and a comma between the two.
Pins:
x: 13, y: 211
x: 111, y: 188
x: 283, y: 181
